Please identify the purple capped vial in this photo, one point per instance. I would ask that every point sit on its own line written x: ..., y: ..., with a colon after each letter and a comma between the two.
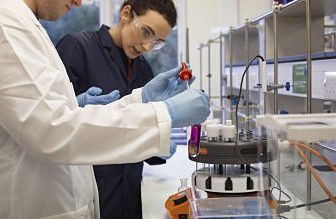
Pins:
x: 194, y: 141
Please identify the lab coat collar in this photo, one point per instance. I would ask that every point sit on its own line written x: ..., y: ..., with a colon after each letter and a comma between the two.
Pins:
x: 107, y: 42
x: 31, y: 15
x: 104, y: 37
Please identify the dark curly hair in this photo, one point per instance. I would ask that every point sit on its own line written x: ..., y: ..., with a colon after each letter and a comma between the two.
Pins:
x: 164, y: 7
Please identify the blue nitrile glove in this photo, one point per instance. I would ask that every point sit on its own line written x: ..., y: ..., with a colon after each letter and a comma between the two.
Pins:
x: 92, y: 96
x: 188, y: 108
x: 164, y: 85
x: 172, y: 151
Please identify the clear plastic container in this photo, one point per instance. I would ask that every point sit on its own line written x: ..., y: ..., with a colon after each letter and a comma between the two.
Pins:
x: 231, y: 207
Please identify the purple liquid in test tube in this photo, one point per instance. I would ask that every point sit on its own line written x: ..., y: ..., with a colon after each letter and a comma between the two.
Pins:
x: 194, y: 141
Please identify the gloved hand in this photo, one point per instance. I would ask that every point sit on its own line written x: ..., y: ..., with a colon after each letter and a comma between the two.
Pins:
x: 188, y: 108
x: 92, y: 96
x: 164, y: 86
x: 172, y: 151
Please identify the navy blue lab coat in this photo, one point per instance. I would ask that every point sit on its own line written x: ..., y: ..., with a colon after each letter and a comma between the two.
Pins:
x: 92, y: 59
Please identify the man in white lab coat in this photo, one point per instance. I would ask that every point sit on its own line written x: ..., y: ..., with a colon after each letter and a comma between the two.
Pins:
x: 48, y: 143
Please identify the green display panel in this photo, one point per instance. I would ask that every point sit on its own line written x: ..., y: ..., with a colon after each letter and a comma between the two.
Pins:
x: 300, y: 78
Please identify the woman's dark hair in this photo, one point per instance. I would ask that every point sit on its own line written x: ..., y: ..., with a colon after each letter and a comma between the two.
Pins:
x: 164, y: 7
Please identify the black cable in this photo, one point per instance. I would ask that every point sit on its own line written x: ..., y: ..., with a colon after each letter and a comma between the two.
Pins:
x: 239, y: 96
x: 237, y: 130
x: 312, y: 203
x: 237, y: 125
x: 283, y: 202
x: 280, y: 190
x: 287, y: 208
x: 281, y: 208
x: 275, y: 180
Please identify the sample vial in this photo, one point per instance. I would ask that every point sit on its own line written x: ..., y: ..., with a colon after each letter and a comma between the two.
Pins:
x: 228, y: 131
x: 184, y: 185
x: 213, y: 132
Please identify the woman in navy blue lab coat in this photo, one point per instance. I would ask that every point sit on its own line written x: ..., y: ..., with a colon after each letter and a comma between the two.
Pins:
x: 111, y: 60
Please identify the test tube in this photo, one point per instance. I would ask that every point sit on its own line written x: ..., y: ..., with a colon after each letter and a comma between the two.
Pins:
x: 195, y: 136
x: 194, y: 141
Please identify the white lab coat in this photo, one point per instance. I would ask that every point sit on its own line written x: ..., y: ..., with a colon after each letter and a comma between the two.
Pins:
x: 48, y: 143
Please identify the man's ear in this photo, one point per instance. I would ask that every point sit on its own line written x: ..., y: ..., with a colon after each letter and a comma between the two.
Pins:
x: 126, y: 14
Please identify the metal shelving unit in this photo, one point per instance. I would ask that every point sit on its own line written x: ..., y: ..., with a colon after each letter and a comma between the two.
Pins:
x: 285, y: 31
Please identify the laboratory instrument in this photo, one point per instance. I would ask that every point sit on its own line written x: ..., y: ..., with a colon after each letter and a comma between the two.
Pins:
x: 229, y: 163
x: 225, y: 169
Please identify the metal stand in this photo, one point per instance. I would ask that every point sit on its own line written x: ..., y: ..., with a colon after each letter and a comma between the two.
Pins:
x: 276, y: 11
x: 231, y: 70
x: 209, y: 68
x: 221, y: 61
x: 262, y: 52
x: 187, y: 46
x: 247, y: 76
x: 200, y: 48
x: 309, y: 90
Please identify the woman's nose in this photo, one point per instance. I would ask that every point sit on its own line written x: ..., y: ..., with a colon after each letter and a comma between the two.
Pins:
x: 148, y: 46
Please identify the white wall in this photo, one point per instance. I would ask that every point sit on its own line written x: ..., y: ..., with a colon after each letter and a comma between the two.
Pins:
x: 251, y: 9
x: 203, y: 16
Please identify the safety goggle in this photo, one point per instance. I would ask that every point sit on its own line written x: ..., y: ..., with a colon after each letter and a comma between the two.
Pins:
x: 146, y: 34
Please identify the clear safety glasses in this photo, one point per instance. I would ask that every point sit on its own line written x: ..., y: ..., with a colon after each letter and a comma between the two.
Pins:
x: 146, y: 34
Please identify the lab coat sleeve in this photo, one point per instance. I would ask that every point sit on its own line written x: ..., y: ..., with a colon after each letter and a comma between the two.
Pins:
x: 38, y: 108
x: 146, y: 78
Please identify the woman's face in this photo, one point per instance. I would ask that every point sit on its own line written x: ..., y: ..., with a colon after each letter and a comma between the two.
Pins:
x: 139, y: 34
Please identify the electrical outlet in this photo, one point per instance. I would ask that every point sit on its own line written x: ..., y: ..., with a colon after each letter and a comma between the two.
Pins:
x: 330, y: 85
